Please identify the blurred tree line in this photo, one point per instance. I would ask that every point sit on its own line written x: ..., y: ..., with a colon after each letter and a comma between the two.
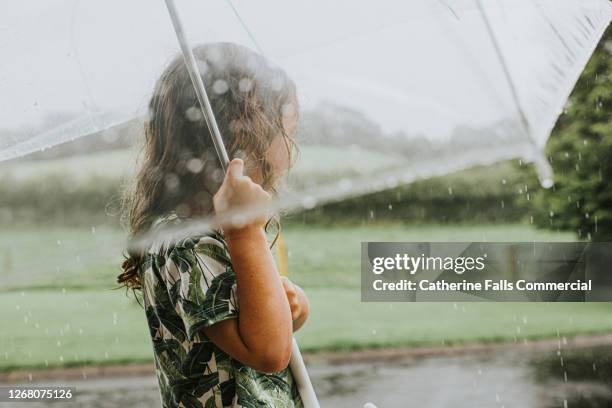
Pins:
x: 491, y: 194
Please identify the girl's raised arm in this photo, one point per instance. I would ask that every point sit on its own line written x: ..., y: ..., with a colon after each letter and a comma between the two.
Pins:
x: 261, y: 336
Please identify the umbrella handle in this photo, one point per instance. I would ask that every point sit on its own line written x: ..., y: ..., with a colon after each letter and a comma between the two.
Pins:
x: 300, y: 375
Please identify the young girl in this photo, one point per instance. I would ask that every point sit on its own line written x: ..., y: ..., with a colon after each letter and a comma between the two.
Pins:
x: 220, y: 317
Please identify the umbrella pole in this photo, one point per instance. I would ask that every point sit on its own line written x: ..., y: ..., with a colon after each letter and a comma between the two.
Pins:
x: 196, y: 79
x: 296, y: 364
x: 301, y: 377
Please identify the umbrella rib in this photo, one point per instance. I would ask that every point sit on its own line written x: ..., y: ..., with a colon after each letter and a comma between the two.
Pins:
x: 245, y: 27
x: 542, y: 166
x: 506, y: 70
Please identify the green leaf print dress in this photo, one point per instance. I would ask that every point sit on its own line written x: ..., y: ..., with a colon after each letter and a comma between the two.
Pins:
x: 189, y: 284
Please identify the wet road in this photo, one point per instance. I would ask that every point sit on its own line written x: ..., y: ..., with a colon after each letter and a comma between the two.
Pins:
x: 574, y: 378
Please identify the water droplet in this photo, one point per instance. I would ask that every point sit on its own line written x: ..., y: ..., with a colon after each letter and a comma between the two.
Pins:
x: 245, y: 84
x: 547, y: 183
x: 309, y: 202
x: 195, y: 165
x: 220, y: 86
x: 345, y: 185
x: 194, y: 114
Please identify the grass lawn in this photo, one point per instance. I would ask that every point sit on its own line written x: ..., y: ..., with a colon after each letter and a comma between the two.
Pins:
x: 57, y: 306
x: 54, y: 328
x: 325, y: 257
x: 89, y: 257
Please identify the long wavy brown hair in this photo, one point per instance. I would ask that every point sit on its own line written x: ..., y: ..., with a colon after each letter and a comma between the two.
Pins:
x: 179, y: 170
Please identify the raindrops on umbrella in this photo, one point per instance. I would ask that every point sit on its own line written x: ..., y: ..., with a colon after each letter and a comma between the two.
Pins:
x: 195, y: 165
x: 245, y: 85
x: 194, y: 114
x: 220, y: 86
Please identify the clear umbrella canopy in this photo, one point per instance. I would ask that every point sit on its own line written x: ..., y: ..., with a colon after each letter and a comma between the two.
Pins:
x: 407, y: 89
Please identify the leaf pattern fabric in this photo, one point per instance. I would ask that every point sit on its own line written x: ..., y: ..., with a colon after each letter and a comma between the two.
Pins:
x: 189, y: 284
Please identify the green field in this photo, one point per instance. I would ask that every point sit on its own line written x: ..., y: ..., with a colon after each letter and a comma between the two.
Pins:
x: 54, y: 328
x: 88, y: 258
x: 60, y: 306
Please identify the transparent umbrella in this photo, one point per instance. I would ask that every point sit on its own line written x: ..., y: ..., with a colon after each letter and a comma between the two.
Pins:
x: 430, y: 86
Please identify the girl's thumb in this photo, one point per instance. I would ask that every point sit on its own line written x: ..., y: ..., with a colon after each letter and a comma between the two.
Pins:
x: 235, y: 168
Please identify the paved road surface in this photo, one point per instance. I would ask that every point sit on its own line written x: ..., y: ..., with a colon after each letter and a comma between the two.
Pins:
x: 499, y: 378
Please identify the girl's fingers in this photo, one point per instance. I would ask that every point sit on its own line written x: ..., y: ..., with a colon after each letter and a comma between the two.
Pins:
x: 239, y: 191
x: 294, y: 303
x: 236, y: 177
x: 296, y: 313
x: 289, y: 288
x: 296, y: 309
x: 235, y: 168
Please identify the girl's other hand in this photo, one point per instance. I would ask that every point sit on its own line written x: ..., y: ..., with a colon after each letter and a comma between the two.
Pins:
x: 298, y: 302
x: 237, y: 194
